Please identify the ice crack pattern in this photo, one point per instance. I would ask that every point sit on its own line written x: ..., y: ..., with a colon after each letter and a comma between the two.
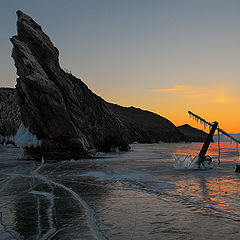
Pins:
x: 45, y: 205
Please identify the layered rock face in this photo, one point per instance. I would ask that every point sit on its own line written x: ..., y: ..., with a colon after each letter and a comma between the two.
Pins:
x: 146, y: 127
x: 58, y: 108
x: 9, y: 113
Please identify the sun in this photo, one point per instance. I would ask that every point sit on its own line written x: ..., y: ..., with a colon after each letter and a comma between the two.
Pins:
x: 221, y: 99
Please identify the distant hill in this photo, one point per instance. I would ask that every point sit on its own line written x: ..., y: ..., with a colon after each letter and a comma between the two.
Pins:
x: 146, y: 127
x: 192, y: 134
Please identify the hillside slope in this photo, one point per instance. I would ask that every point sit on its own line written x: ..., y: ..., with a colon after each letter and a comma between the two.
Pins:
x: 146, y: 127
x: 192, y: 134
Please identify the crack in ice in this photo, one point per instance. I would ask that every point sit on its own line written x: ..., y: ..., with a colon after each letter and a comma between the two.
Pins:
x: 90, y: 214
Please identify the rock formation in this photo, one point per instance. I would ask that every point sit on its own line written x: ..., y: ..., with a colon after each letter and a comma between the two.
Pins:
x: 57, y: 107
x: 146, y: 127
x: 192, y: 134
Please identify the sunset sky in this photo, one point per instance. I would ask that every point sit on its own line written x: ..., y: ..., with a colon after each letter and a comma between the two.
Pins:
x: 165, y: 56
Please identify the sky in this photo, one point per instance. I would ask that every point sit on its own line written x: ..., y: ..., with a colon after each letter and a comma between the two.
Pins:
x: 165, y: 56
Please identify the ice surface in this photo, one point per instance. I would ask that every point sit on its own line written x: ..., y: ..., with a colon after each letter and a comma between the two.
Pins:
x: 126, y: 195
x: 24, y: 138
x: 119, y: 175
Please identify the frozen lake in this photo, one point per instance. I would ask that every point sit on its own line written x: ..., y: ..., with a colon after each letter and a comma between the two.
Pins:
x: 128, y: 195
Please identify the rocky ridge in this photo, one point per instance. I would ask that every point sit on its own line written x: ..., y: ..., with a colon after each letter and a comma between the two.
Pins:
x: 146, y: 127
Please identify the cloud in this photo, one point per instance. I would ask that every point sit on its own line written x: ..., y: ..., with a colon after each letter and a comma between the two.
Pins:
x: 176, y: 88
x: 217, y: 93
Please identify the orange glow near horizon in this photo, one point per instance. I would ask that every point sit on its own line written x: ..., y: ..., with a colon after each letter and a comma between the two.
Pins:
x: 213, y: 102
x: 212, y: 150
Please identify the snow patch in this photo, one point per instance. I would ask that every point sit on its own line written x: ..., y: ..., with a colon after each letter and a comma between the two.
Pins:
x: 24, y: 138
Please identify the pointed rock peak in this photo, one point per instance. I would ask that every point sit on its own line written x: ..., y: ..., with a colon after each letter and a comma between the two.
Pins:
x: 70, y: 120
x: 20, y: 13
x: 31, y: 34
x: 24, y: 17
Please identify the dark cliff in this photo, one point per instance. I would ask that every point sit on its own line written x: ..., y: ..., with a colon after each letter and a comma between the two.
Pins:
x: 58, y: 108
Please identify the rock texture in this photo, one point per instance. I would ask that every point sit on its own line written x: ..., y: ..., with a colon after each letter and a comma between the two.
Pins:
x: 58, y: 108
x: 9, y: 113
x: 192, y: 134
x: 146, y: 127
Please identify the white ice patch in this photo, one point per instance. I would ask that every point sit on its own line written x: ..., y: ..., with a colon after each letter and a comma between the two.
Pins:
x: 24, y: 138
x: 114, y: 149
x: 189, y: 162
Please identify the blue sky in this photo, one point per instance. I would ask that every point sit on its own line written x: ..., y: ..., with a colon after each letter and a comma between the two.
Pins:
x: 132, y: 52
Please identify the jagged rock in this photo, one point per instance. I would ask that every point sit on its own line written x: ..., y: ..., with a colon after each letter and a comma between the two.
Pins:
x: 58, y: 108
x: 9, y: 113
x: 192, y: 134
x: 146, y: 127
